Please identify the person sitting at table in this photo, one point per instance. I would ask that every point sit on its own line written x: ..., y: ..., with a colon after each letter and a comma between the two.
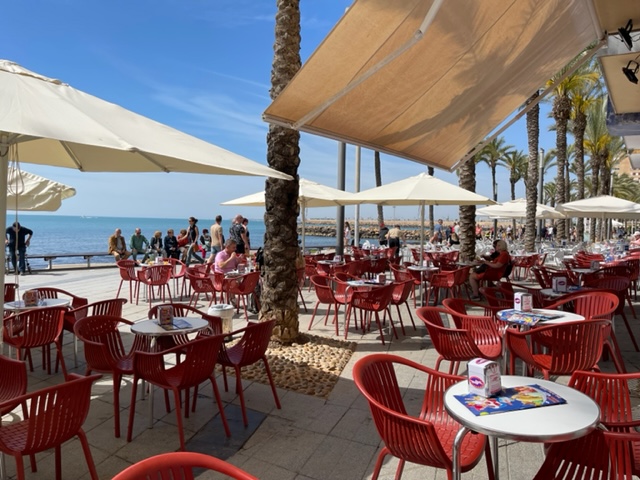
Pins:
x: 227, y: 260
x: 138, y: 243
x: 492, y: 270
x: 635, y: 239
x: 118, y: 246
x: 171, y: 245
x: 155, y: 244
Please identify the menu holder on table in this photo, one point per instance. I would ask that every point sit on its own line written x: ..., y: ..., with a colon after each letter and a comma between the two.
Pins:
x: 510, y: 399
x: 525, y: 318
x: 176, y: 324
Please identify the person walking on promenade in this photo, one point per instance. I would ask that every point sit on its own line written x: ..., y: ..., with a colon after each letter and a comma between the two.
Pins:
x: 217, y: 237
x: 205, y: 242
x: 238, y: 234
x: 347, y: 234
x: 18, y: 238
x: 193, y: 234
x: 395, y: 236
x: 118, y: 246
x: 171, y: 245
x: 438, y: 231
x: 382, y: 235
x: 247, y: 246
x: 138, y: 243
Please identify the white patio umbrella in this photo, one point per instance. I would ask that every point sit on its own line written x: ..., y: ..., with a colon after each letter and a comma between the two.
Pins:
x: 310, y: 194
x: 518, y: 209
x: 27, y: 191
x: 47, y: 122
x: 422, y: 189
x: 604, y: 206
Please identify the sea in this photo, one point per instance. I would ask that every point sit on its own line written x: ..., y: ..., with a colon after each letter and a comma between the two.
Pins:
x: 77, y: 234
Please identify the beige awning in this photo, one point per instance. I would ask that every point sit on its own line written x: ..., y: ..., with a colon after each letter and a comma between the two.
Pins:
x: 476, y: 63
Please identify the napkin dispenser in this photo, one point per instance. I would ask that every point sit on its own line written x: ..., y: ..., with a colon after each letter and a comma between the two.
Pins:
x: 31, y: 298
x: 595, y: 265
x: 522, y: 301
x: 484, y: 377
x: 165, y: 315
x: 559, y: 284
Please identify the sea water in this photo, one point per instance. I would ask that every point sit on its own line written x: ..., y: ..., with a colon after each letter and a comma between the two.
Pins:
x: 77, y: 234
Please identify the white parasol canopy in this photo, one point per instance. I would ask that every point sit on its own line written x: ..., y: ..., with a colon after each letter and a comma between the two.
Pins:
x: 310, y: 194
x: 27, y: 191
x: 518, y: 209
x: 47, y: 122
x: 604, y: 206
x: 422, y: 189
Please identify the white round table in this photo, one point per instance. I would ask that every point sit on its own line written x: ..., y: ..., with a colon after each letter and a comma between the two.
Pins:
x: 557, y: 423
x: 19, y: 305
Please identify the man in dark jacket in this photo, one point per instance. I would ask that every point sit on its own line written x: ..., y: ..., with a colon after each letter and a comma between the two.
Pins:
x: 17, y: 238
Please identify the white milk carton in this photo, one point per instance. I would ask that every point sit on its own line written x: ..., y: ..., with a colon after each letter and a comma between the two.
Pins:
x: 522, y: 302
x: 595, y: 265
x: 484, y: 377
x: 382, y: 278
x: 559, y: 284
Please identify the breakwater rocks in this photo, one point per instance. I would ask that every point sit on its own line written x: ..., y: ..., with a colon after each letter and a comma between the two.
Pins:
x: 365, y: 232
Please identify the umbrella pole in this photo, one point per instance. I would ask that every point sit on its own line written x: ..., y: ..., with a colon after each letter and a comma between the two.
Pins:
x: 4, y: 170
x: 421, y: 249
x: 304, y: 207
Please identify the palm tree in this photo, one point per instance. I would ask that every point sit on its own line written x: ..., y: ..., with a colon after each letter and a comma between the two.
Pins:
x: 626, y: 187
x: 561, y: 113
x: 531, y: 179
x: 516, y: 162
x: 582, y: 99
x: 491, y: 154
x: 596, y: 145
x: 467, y: 179
x: 549, y: 191
x: 280, y: 284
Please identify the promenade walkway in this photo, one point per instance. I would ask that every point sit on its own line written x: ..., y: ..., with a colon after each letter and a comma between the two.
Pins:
x: 309, y: 438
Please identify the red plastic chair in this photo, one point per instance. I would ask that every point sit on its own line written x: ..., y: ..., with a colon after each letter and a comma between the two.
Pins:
x: 597, y: 456
x: 399, y: 296
x: 619, y: 285
x: 595, y: 304
x: 127, y: 269
x: 112, y: 307
x: 56, y: 414
x: 39, y: 327
x: 401, y: 274
x: 155, y: 276
x: 242, y: 287
x: 13, y: 383
x: 325, y: 296
x: 457, y: 345
x: 178, y: 272
x: 496, y: 297
x: 250, y: 349
x: 569, y: 347
x: 197, y: 366
x: 371, y: 302
x: 425, y: 440
x: 180, y: 465
x: 201, y: 284
x: 105, y: 353
x: 487, y: 323
x: 10, y: 292
x: 443, y: 280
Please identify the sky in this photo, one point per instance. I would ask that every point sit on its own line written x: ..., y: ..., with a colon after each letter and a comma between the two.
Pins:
x: 202, y: 67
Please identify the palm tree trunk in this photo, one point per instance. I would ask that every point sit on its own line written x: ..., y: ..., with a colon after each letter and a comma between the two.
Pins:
x: 467, y: 180
x: 378, y: 175
x: 280, y: 289
x: 532, y: 178
x: 561, y: 113
x: 580, y: 125
x: 432, y: 220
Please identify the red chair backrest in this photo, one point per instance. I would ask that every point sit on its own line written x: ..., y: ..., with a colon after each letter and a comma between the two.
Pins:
x: 34, y: 328
x: 127, y: 269
x: 180, y: 465
x: 254, y: 341
x: 323, y: 289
